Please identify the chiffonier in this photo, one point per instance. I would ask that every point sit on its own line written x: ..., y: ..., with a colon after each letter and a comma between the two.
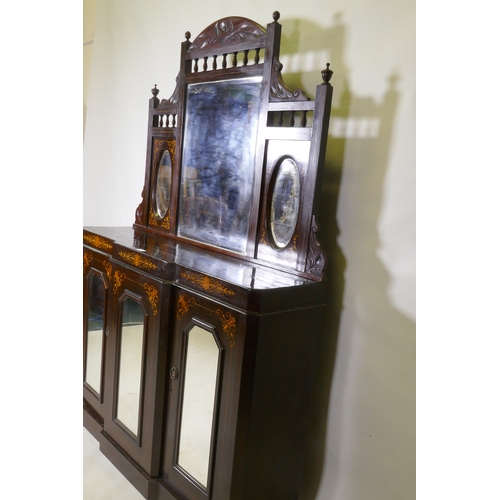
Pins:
x: 202, y: 319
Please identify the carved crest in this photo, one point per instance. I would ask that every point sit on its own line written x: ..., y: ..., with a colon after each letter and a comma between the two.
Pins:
x: 227, y: 31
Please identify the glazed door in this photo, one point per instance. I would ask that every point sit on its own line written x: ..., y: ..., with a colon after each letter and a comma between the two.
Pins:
x: 97, y: 276
x: 136, y: 362
x: 204, y: 377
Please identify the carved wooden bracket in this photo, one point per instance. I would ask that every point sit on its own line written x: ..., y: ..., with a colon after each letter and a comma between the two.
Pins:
x: 316, y: 256
x: 279, y: 91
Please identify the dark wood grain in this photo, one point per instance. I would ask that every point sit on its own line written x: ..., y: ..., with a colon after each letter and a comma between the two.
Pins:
x: 263, y: 305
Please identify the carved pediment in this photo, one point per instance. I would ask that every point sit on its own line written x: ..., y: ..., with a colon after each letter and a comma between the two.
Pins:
x: 227, y: 31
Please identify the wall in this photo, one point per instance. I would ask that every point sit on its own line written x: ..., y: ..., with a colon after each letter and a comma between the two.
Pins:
x: 89, y: 9
x: 362, y: 443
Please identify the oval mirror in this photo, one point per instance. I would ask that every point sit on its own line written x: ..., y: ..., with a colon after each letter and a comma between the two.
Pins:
x: 284, y: 202
x: 163, y: 183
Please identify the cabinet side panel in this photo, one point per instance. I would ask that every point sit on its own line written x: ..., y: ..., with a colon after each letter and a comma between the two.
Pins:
x: 284, y: 375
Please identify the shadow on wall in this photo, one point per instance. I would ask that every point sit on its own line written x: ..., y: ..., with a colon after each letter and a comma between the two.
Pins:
x: 355, y: 273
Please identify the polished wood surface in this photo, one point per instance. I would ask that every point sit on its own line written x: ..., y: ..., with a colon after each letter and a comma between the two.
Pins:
x: 261, y: 305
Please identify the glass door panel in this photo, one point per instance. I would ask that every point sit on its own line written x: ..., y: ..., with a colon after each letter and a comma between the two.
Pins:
x: 95, y: 331
x: 198, y: 403
x: 131, y: 345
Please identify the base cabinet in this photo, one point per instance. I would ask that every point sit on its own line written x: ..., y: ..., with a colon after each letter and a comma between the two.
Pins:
x: 136, y: 357
x: 205, y: 382
x: 96, y: 296
x: 207, y: 346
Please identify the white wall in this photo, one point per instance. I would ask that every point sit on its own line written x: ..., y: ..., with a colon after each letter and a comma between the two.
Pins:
x: 362, y: 443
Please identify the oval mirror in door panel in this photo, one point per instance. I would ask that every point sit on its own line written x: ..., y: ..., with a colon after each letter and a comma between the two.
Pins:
x: 284, y: 202
x: 163, y: 184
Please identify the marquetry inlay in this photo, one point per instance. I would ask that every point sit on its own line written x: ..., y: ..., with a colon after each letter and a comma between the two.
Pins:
x: 97, y: 242
x: 160, y: 145
x: 183, y: 305
x: 108, y: 267
x: 137, y: 260
x: 118, y: 280
x: 228, y: 325
x: 263, y: 236
x: 87, y: 259
x: 206, y: 283
x: 227, y: 319
x: 165, y: 222
x: 152, y: 296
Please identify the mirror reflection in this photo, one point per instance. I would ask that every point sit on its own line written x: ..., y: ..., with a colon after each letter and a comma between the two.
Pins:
x: 130, y: 364
x: 218, y: 161
x: 285, y: 202
x: 163, y: 183
x: 198, y: 404
x: 95, y: 331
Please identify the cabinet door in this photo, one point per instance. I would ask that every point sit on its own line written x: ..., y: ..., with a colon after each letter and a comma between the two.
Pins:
x: 205, y: 366
x: 97, y: 275
x: 136, y: 367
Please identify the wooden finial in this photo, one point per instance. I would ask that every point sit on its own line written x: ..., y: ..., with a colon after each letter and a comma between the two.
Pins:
x: 326, y: 74
x: 187, y: 35
x: 276, y: 16
x: 155, y: 91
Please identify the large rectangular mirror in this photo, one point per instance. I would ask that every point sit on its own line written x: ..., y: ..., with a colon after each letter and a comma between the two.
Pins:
x: 218, y: 161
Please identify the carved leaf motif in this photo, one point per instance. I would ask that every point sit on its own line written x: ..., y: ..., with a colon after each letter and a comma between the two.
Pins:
x: 174, y: 98
x: 279, y: 90
x: 139, y: 212
x: 316, y: 257
x: 227, y: 31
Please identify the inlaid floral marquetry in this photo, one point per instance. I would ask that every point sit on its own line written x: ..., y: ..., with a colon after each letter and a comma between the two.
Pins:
x: 228, y: 325
x: 152, y: 296
x: 206, y: 283
x: 118, y: 280
x: 165, y: 223
x: 137, y: 260
x: 97, y: 242
x: 183, y: 305
x: 108, y: 267
x: 87, y: 259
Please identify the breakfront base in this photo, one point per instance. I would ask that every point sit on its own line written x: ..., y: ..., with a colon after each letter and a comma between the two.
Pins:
x: 149, y: 488
x: 92, y: 422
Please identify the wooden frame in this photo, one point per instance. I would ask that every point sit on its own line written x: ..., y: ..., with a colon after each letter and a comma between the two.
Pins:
x: 225, y: 239
x: 231, y: 50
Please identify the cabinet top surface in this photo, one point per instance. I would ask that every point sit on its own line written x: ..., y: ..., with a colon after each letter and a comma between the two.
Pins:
x: 165, y: 258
